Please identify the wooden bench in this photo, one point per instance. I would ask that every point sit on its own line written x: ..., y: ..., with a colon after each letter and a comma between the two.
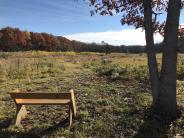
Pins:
x: 22, y: 99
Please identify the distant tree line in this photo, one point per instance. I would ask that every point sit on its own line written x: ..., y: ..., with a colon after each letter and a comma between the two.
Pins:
x: 13, y: 39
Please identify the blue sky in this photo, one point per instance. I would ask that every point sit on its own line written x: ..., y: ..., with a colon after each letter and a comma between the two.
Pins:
x: 68, y: 18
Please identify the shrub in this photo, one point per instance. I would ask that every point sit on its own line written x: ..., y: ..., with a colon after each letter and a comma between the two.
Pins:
x: 16, y: 70
x: 115, y: 71
x: 106, y: 61
x: 4, y: 55
x: 140, y: 73
x: 83, y: 115
x: 104, y: 102
x: 112, y: 71
x: 70, y: 53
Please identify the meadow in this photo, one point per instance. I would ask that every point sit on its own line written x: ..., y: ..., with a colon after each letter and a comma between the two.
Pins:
x: 112, y: 94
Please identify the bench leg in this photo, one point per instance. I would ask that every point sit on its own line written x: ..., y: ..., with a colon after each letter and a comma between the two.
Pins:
x: 20, y: 114
x: 70, y: 116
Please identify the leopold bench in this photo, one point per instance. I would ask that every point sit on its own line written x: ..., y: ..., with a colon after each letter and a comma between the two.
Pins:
x: 22, y: 99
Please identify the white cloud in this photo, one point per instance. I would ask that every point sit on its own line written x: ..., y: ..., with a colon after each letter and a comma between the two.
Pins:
x: 123, y: 37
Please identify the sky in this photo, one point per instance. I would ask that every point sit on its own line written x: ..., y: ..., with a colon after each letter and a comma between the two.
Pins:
x: 69, y: 18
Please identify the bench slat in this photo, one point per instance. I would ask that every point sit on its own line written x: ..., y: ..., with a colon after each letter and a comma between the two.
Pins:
x: 42, y: 101
x: 40, y: 95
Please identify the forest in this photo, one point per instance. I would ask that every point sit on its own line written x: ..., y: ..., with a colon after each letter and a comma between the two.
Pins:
x: 13, y: 39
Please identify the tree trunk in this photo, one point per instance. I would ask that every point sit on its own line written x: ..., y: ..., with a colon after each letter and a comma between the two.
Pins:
x: 167, y: 97
x: 152, y: 63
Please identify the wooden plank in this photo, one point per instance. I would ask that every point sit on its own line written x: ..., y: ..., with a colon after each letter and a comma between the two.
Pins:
x: 70, y: 116
x: 73, y: 104
x: 43, y: 101
x: 20, y: 114
x: 40, y: 95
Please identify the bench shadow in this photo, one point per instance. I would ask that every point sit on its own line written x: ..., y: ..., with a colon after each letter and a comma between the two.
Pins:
x: 34, y: 132
x: 5, y: 123
x: 154, y: 126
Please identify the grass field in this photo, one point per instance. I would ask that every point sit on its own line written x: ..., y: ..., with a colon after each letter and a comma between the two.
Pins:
x: 112, y: 95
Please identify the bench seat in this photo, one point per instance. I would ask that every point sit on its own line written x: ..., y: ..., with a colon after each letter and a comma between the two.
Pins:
x: 42, y: 101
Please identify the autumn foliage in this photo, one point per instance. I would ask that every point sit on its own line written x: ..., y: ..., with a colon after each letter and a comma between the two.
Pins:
x: 133, y: 12
x: 13, y: 39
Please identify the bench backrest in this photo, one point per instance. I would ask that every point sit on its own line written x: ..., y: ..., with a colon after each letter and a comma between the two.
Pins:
x: 69, y: 95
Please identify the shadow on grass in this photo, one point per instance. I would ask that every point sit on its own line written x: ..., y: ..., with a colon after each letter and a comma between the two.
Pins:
x: 154, y: 126
x: 32, y: 133
x: 5, y: 123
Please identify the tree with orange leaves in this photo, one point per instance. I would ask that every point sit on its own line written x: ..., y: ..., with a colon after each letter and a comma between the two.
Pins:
x: 144, y: 14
